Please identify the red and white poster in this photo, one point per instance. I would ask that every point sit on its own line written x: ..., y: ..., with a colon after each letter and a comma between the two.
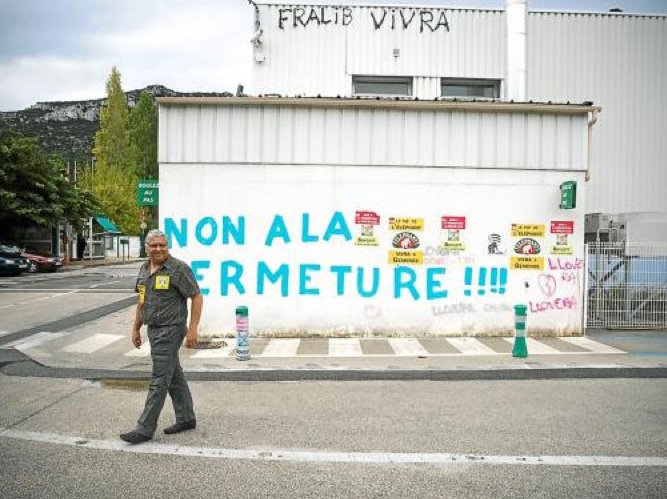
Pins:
x: 562, y: 227
x: 365, y: 222
x: 447, y: 222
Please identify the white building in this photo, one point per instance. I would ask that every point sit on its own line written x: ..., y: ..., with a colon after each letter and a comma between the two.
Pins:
x: 328, y: 210
x: 617, y: 61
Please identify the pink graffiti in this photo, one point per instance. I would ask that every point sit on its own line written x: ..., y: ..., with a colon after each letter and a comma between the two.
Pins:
x: 559, y: 263
x: 547, y: 284
x: 555, y: 304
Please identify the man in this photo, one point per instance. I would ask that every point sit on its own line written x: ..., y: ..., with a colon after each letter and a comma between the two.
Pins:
x: 164, y: 285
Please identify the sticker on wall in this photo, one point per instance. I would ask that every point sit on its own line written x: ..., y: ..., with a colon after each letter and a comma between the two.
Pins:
x: 561, y: 230
x: 455, y: 227
x: 527, y: 230
x: 527, y: 246
x: 365, y: 222
x: 496, y: 246
x: 527, y: 263
x: 406, y: 257
x: 406, y: 223
x: 406, y: 241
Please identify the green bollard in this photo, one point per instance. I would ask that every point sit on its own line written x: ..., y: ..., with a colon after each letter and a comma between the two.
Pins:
x: 520, y: 348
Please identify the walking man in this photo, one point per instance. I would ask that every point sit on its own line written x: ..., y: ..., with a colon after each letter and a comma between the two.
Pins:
x: 164, y: 285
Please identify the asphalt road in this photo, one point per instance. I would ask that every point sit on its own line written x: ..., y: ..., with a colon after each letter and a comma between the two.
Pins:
x: 51, y: 302
x: 278, y: 440
x: 567, y: 438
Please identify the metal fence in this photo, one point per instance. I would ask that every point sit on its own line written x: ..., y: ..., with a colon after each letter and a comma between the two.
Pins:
x: 627, y: 285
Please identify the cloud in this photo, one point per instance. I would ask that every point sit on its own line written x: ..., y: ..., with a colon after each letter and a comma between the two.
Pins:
x: 189, y: 46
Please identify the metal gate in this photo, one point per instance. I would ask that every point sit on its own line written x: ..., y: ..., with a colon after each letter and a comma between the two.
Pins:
x: 627, y: 285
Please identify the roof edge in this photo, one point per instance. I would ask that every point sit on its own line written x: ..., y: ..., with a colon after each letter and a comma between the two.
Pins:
x: 433, y: 105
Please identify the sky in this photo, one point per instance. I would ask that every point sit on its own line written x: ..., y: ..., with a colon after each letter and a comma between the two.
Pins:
x: 64, y: 49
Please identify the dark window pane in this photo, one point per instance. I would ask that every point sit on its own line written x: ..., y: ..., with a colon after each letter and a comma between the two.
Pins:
x: 382, y: 86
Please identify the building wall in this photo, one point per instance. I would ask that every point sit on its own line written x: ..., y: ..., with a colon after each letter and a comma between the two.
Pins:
x: 619, y: 63
x: 616, y: 61
x: 321, y: 58
x: 276, y: 210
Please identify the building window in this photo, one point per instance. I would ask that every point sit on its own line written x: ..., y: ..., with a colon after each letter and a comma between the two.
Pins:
x: 382, y: 85
x: 469, y: 88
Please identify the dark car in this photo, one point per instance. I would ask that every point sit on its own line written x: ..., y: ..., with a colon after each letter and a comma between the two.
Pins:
x: 12, y: 263
x: 9, y: 266
x: 41, y: 262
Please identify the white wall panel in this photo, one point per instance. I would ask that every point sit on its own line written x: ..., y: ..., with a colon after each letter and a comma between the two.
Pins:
x: 619, y: 63
x: 491, y: 201
x: 418, y: 134
x: 320, y: 59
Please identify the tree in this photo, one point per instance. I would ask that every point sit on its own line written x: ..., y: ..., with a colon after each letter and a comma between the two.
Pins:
x: 111, y: 140
x: 143, y: 137
x: 35, y: 188
x: 113, y: 180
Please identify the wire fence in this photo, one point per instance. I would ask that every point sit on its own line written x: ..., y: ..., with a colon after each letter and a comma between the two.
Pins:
x: 627, y: 285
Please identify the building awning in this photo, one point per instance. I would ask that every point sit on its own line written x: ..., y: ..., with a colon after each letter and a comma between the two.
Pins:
x: 107, y: 225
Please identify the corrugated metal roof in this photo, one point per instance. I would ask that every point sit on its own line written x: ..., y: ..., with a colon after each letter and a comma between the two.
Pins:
x: 373, y: 133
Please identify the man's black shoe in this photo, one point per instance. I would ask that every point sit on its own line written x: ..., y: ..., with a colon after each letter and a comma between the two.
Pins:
x: 179, y: 427
x: 134, y: 437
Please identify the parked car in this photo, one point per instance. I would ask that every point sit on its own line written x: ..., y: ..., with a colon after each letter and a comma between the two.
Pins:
x: 9, y: 266
x: 12, y: 263
x: 40, y: 262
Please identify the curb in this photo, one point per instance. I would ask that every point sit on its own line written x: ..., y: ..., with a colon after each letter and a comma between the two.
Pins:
x: 26, y: 367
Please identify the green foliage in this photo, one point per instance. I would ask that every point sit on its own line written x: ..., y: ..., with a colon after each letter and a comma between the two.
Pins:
x: 111, y: 140
x: 143, y: 137
x: 114, y: 178
x: 34, y: 187
x: 116, y: 190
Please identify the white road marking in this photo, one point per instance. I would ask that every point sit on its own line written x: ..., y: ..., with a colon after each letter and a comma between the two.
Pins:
x: 279, y: 347
x: 471, y: 346
x: 32, y: 341
x: 143, y: 351
x: 94, y: 343
x: 214, y: 353
x: 102, y: 284
x: 344, y: 347
x: 331, y: 457
x: 591, y: 345
x: 407, y: 347
x: 537, y: 348
x: 33, y: 300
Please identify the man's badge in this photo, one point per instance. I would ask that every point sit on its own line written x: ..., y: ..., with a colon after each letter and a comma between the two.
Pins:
x: 162, y: 282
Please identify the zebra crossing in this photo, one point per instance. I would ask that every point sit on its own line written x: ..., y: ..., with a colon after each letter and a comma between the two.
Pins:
x: 117, y: 344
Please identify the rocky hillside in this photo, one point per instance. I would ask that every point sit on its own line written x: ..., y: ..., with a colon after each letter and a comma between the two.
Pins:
x: 68, y: 128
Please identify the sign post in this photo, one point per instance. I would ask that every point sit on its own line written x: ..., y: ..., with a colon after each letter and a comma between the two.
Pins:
x: 147, y: 192
x: 147, y: 195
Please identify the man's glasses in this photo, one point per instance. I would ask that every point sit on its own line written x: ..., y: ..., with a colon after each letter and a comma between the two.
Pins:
x: 157, y: 245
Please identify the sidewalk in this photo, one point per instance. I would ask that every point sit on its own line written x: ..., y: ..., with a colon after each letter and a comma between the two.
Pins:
x: 103, y: 346
x: 101, y: 262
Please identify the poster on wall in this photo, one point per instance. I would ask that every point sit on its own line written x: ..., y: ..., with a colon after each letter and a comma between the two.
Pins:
x: 561, y: 231
x: 405, y: 241
x: 454, y: 228
x: 365, y: 222
x: 527, y: 245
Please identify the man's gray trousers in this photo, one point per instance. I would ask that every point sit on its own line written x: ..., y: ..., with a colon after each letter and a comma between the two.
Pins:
x: 166, y: 377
